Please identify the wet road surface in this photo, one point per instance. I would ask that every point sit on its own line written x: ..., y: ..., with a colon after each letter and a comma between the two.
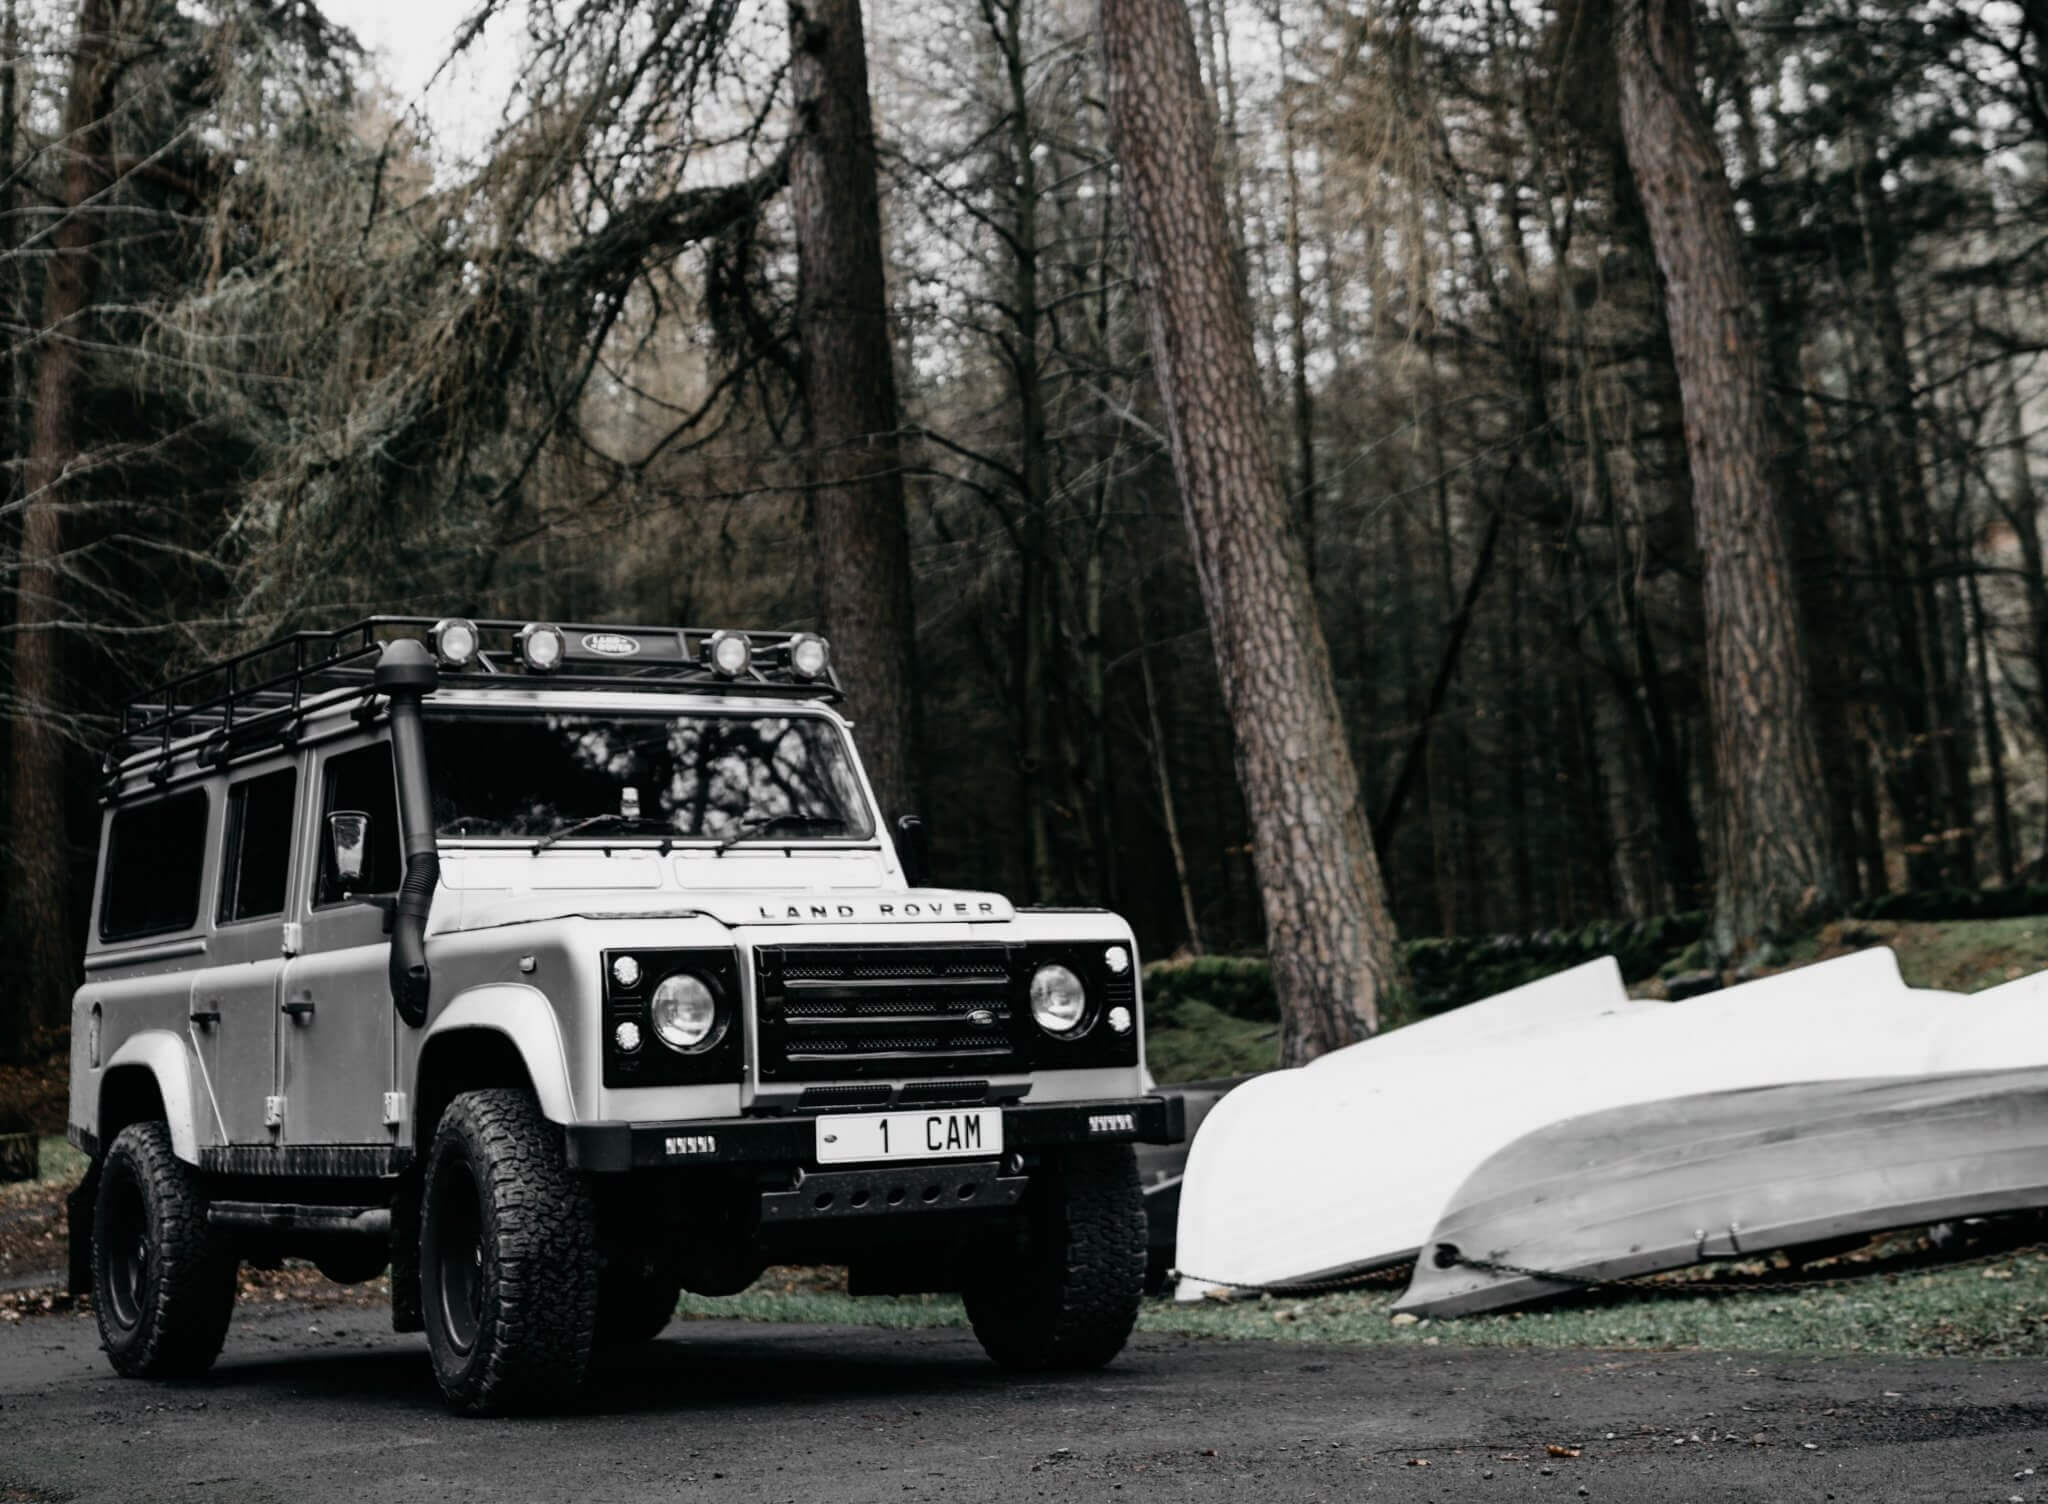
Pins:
x: 310, y: 1405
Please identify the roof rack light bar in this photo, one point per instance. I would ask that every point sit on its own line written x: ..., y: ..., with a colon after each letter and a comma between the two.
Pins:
x: 259, y: 696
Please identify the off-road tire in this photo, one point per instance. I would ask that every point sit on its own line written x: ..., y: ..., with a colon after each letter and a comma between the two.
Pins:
x: 163, y: 1282
x: 1064, y: 1293
x: 503, y: 1209
x: 636, y: 1300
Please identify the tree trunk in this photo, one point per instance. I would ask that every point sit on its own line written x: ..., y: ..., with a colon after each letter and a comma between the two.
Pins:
x: 39, y: 905
x: 1037, y: 605
x: 1162, y: 770
x: 848, y: 375
x: 1328, y: 931
x: 1299, y: 396
x: 1994, y: 743
x: 1774, y: 867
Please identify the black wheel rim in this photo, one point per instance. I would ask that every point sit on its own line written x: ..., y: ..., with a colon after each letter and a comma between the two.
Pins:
x: 126, y: 1238
x: 458, y: 1262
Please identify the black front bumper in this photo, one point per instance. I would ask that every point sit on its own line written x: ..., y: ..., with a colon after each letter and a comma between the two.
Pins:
x: 791, y: 1142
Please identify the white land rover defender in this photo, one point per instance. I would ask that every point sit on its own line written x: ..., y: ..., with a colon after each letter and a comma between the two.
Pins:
x: 561, y: 969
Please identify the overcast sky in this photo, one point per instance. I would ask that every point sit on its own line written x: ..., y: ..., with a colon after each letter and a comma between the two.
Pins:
x: 411, y: 37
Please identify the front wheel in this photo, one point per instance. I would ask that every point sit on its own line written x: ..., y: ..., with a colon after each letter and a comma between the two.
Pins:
x: 163, y: 1283
x: 508, y: 1260
x: 1064, y: 1293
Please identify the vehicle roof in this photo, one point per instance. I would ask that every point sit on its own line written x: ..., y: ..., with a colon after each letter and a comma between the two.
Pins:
x: 335, y: 713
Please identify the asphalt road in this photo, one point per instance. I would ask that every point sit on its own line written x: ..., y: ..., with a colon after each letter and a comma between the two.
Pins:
x: 310, y: 1405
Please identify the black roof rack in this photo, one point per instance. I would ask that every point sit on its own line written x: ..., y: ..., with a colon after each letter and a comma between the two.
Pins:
x: 259, y: 696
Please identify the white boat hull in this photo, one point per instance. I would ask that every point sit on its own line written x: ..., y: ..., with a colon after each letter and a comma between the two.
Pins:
x: 1667, y: 1184
x: 1347, y: 1164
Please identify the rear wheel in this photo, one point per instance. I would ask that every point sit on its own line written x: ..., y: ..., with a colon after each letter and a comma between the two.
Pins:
x: 1065, y: 1292
x: 508, y: 1263
x: 163, y: 1283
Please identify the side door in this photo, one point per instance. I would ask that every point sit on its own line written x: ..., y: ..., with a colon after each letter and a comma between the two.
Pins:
x: 234, y: 1017
x: 336, y: 1022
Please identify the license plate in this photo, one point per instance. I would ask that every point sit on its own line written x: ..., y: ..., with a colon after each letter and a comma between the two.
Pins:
x: 957, y: 1133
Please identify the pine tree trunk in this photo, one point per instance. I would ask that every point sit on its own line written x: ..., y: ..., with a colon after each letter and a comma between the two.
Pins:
x: 858, y: 524
x: 1774, y: 866
x: 1327, y: 927
x: 39, y: 906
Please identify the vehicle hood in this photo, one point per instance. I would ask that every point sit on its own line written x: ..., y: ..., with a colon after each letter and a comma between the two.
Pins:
x: 457, y: 910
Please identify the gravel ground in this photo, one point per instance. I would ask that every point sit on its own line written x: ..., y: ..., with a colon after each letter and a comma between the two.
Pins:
x: 316, y: 1403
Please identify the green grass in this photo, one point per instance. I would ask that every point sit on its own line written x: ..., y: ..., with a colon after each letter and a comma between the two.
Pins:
x: 1198, y: 1042
x: 1998, y: 1309
x: 61, y: 1164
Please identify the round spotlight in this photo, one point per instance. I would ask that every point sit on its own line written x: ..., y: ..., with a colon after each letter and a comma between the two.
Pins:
x: 1117, y: 959
x: 686, y: 1016
x: 810, y: 655
x: 627, y: 1037
x: 626, y: 971
x: 1058, y: 1000
x: 455, y: 642
x: 1120, y: 1020
x: 730, y: 652
x: 541, y: 647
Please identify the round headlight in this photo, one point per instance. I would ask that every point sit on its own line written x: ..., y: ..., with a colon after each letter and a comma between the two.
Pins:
x: 730, y: 653
x: 626, y: 971
x: 686, y: 1015
x: 1058, y: 1000
x: 455, y: 642
x: 541, y: 647
x: 809, y: 655
x: 627, y: 1037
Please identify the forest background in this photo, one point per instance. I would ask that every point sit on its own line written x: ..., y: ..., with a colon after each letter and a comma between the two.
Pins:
x: 335, y: 357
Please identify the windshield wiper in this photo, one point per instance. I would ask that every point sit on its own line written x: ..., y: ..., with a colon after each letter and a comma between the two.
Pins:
x: 612, y: 818
x: 823, y: 825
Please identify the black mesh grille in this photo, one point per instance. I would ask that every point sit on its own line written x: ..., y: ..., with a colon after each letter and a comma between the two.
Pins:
x: 932, y: 1093
x: 800, y: 1007
x: 838, y: 1011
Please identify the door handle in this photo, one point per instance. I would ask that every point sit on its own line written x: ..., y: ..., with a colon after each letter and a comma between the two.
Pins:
x: 209, y: 1015
x: 300, y: 1007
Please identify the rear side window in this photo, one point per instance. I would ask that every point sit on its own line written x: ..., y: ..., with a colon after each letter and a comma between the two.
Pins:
x: 156, y: 855
x: 257, y: 855
x: 363, y: 780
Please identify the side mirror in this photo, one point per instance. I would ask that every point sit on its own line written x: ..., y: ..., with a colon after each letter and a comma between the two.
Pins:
x: 911, y: 850
x: 348, y: 845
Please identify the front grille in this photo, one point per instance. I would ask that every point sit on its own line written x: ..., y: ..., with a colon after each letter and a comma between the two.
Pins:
x: 845, y: 1096
x: 943, y: 1094
x: 829, y: 1012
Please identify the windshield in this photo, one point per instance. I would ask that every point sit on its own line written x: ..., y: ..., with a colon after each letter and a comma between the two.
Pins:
x: 696, y: 776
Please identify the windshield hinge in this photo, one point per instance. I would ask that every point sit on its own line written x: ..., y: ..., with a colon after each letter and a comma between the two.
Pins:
x: 293, y: 939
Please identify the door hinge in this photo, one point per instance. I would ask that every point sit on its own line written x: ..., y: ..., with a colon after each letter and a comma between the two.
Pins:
x: 273, y: 1112
x: 394, y: 1108
x: 292, y: 939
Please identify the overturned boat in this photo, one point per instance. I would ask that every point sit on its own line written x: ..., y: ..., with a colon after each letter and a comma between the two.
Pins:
x: 1663, y: 1185
x: 1347, y: 1165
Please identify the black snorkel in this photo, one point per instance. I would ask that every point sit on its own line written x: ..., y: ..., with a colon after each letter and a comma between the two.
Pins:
x: 406, y: 673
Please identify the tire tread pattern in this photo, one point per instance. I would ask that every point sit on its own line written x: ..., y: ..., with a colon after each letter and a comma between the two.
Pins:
x: 182, y: 1330
x: 1072, y: 1300
x: 534, y: 1345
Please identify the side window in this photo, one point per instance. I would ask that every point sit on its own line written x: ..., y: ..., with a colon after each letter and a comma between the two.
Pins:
x: 362, y: 780
x: 257, y: 855
x: 156, y: 855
